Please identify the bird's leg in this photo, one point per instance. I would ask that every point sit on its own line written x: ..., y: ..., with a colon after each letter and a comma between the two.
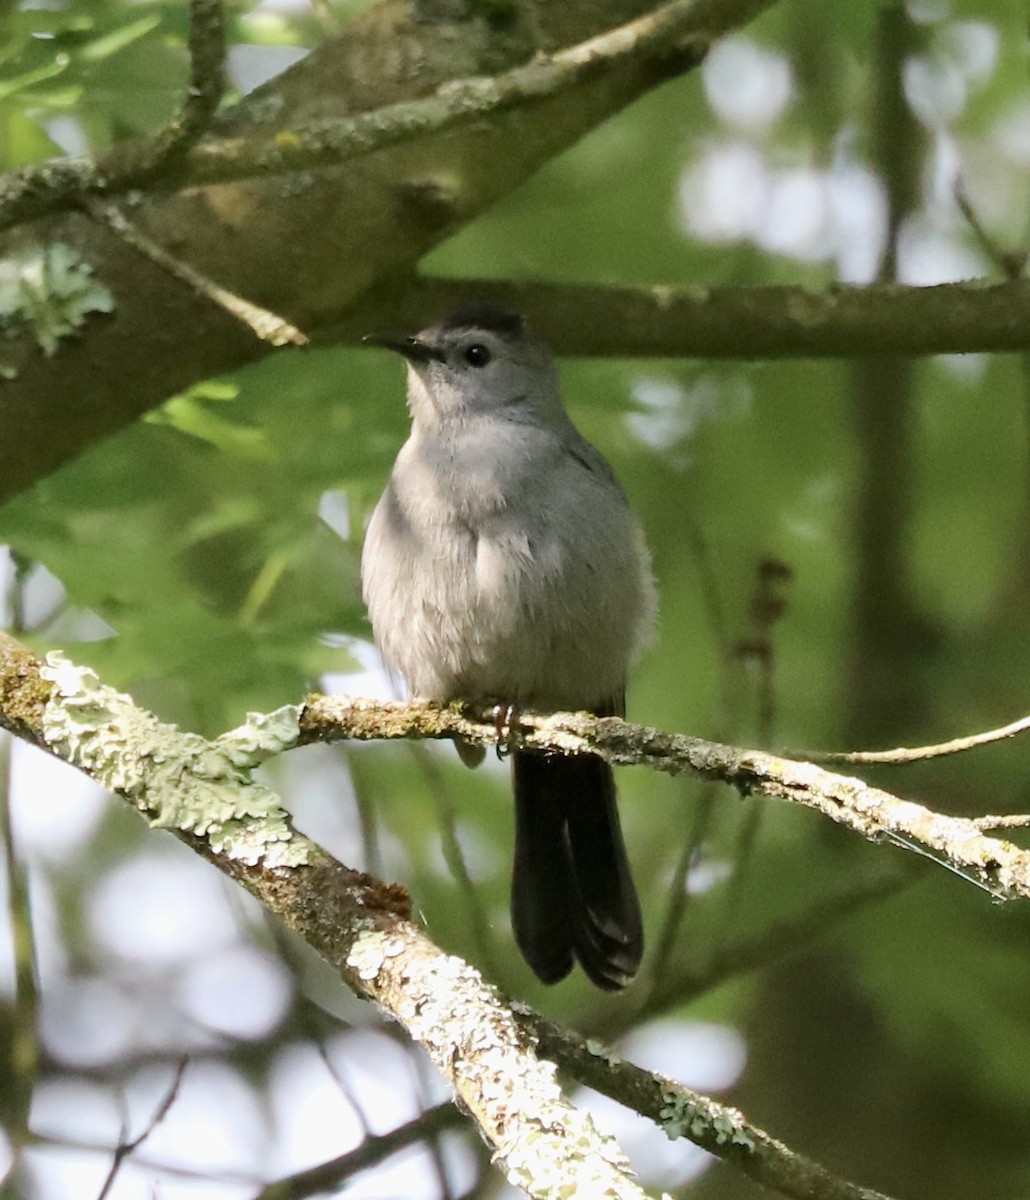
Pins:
x: 505, y: 715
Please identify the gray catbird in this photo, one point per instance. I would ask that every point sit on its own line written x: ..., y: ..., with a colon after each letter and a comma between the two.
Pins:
x: 503, y: 563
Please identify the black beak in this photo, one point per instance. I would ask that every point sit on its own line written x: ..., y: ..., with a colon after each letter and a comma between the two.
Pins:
x: 412, y: 348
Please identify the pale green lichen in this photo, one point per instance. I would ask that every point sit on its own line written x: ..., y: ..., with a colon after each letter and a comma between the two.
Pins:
x: 587, y: 1163
x: 51, y: 291
x: 261, y: 735
x: 680, y: 1116
x: 178, y: 780
x: 368, y: 953
x: 601, y: 1051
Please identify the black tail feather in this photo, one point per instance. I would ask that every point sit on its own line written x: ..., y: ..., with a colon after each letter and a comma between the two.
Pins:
x: 572, y: 895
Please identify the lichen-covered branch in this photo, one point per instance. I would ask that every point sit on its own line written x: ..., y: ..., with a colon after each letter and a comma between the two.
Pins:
x: 998, y: 865
x: 202, y: 791
x: 681, y: 1112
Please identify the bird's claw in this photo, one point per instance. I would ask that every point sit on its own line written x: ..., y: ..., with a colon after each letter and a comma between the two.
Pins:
x: 505, y: 716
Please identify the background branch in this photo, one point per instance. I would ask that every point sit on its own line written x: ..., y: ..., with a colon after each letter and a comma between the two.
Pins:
x: 674, y: 37
x: 374, y: 1149
x: 725, y: 322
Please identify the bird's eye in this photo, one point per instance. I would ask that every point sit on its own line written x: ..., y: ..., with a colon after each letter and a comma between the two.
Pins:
x: 477, y: 355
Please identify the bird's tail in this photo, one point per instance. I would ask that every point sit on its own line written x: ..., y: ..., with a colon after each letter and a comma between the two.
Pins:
x: 572, y: 895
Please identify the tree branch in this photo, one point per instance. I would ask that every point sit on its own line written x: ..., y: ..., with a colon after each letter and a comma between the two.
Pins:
x: 202, y: 791
x: 680, y: 1111
x: 958, y: 842
x: 336, y: 231
x: 374, y: 1149
x: 61, y: 184
x: 911, y: 754
x: 742, y: 323
x: 672, y: 38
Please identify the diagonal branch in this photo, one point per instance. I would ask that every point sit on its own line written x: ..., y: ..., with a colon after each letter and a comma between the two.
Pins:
x: 682, y: 1112
x: 374, y: 1149
x: 202, y: 791
x: 670, y: 39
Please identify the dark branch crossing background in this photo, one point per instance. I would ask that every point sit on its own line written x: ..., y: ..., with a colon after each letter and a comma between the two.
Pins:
x: 780, y: 249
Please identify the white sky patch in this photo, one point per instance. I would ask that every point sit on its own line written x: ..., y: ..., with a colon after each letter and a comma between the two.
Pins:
x: 858, y: 205
x: 216, y: 1122
x: 935, y: 89
x: 747, y: 84
x: 42, y: 595
x: 241, y: 992
x: 7, y: 576
x: 312, y: 1117
x: 798, y: 218
x: 76, y: 1109
x: 723, y: 194
x: 370, y: 680
x: 969, y: 368
x: 56, y: 808
x: 249, y: 66
x: 972, y: 47
x: 334, y: 510
x: 87, y: 1022
x: 732, y: 194
x: 701, y: 1055
x: 156, y: 909
x: 928, y: 254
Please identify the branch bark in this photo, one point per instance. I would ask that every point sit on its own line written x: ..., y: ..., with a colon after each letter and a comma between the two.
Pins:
x: 999, y: 866
x: 671, y: 39
x: 337, y: 231
x: 725, y: 322
x: 545, y: 1145
x: 203, y: 793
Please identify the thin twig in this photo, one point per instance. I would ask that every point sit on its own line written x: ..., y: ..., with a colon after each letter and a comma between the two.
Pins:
x: 374, y: 1149
x: 126, y: 1148
x: 1010, y: 821
x: 911, y: 754
x: 1011, y: 263
x: 267, y: 326
x: 207, y: 69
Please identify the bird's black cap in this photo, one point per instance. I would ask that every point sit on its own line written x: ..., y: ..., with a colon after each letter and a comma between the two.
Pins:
x: 484, y: 315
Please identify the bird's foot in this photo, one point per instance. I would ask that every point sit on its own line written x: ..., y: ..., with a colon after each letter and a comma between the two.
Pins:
x: 505, y: 715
